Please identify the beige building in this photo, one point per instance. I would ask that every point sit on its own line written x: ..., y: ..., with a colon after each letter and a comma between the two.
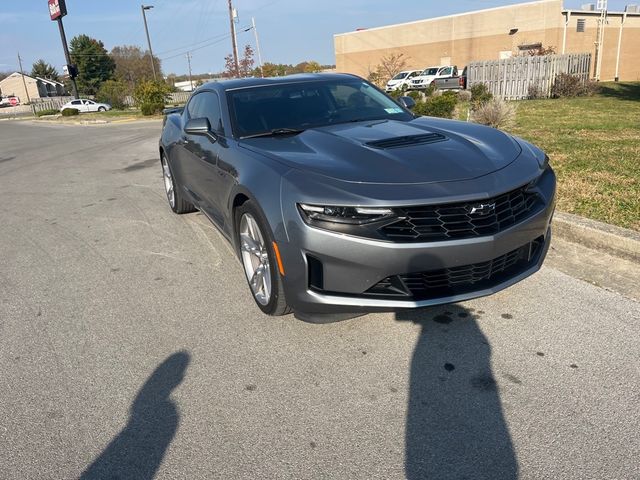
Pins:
x: 499, y: 33
x: 36, y: 87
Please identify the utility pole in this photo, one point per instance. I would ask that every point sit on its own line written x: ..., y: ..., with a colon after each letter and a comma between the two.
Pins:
x: 189, y: 61
x: 234, y: 42
x: 24, y: 82
x: 255, y: 33
x: 146, y: 29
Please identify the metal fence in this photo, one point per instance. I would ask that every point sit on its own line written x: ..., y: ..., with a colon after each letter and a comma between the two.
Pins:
x: 513, y: 78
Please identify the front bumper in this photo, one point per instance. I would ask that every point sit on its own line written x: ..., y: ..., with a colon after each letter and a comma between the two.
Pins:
x: 328, y: 273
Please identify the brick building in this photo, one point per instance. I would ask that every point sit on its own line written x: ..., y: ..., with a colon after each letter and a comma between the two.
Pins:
x: 500, y: 33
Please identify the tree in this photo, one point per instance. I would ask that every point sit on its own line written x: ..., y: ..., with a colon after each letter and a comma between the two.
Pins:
x: 113, y: 92
x: 43, y: 69
x: 274, y: 70
x: 245, y: 64
x: 391, y: 65
x: 133, y: 65
x: 95, y: 65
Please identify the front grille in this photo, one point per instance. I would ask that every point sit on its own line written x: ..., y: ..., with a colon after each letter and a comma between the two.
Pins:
x: 457, y: 280
x: 462, y: 220
x: 407, y: 140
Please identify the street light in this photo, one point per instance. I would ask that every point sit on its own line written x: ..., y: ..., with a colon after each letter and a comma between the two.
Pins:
x: 146, y: 29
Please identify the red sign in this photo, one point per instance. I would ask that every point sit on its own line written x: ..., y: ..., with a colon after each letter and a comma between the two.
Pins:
x: 57, y: 9
x: 13, y: 101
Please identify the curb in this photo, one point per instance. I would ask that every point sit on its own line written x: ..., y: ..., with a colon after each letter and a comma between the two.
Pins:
x: 617, y: 241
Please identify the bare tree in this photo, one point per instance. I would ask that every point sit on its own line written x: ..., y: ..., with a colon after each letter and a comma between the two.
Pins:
x: 390, y: 65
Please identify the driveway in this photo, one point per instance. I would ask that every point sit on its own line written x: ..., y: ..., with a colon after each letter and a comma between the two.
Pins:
x: 131, y: 348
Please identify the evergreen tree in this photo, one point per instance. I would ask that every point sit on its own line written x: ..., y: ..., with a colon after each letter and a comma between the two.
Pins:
x: 95, y: 66
x: 43, y: 69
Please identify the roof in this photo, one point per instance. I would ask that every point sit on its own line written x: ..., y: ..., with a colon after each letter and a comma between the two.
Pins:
x: 235, y: 83
x: 18, y: 74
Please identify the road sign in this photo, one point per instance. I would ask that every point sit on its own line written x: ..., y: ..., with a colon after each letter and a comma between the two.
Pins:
x: 13, y: 101
x: 57, y: 9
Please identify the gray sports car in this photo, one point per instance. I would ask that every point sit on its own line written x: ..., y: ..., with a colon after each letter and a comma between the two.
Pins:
x: 339, y: 201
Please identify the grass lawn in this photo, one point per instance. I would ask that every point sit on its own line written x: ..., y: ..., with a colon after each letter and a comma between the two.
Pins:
x: 594, y: 147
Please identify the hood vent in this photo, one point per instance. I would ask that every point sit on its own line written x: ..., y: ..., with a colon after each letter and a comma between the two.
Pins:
x: 406, y: 141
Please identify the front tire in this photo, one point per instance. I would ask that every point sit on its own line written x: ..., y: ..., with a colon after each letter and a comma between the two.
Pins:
x: 259, y: 261
x: 175, y: 197
x: 102, y: 109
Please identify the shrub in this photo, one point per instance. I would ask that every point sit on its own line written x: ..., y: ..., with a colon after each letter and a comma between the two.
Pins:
x: 416, y: 95
x: 70, y: 112
x: 535, y: 92
x: 480, y: 94
x: 113, y: 92
x: 495, y: 113
x: 442, y: 106
x: 48, y: 111
x: 151, y: 96
x: 568, y: 86
x: 151, y: 108
x: 464, y: 95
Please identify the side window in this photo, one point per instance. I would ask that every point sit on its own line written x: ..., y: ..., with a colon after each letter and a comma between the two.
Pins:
x: 445, y: 71
x: 210, y: 108
x: 76, y: 102
x: 193, y: 109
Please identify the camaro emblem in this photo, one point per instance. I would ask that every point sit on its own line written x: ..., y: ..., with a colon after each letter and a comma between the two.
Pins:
x: 482, y: 209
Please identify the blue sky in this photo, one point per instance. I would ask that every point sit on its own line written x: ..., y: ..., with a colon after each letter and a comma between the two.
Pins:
x: 290, y: 31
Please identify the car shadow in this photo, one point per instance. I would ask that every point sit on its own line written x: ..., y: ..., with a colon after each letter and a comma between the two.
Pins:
x: 455, y: 425
x: 137, y: 451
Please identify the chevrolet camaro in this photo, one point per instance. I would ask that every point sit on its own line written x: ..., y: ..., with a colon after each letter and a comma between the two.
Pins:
x: 340, y: 201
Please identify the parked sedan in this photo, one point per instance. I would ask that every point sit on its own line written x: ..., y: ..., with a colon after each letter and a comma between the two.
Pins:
x: 84, y: 105
x: 340, y: 201
x: 401, y: 80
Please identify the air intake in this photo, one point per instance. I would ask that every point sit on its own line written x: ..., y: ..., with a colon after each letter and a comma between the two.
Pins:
x: 405, y: 141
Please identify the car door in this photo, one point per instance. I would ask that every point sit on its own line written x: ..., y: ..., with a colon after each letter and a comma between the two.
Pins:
x: 201, y: 154
x: 78, y: 105
x: 90, y: 106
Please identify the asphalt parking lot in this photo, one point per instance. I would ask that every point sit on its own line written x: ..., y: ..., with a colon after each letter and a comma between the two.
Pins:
x: 131, y: 348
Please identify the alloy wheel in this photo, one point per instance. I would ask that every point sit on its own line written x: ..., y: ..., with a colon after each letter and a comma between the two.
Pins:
x: 255, y: 259
x: 168, y: 182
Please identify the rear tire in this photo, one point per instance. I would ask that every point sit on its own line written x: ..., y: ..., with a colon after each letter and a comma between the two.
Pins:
x: 175, y: 197
x: 259, y: 262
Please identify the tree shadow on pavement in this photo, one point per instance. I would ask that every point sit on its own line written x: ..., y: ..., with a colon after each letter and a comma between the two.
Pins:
x: 137, y: 451
x: 455, y: 425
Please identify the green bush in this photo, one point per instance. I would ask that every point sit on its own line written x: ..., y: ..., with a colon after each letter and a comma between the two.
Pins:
x: 113, y: 92
x: 70, y: 112
x: 480, y: 94
x: 441, y: 106
x: 151, y: 96
x: 48, y: 111
x: 151, y: 108
x: 415, y: 95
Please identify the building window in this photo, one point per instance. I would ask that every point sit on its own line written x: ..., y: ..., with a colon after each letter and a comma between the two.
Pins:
x: 580, y: 25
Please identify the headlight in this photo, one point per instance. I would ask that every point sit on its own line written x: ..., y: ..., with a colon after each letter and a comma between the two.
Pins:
x: 344, y: 215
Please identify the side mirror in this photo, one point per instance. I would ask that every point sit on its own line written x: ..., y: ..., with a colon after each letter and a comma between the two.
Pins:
x: 407, y: 102
x: 198, y: 126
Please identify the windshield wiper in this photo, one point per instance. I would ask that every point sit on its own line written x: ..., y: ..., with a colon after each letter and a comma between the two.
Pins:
x: 275, y: 132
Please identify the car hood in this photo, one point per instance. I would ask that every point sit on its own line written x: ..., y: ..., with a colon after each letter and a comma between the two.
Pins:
x: 460, y: 151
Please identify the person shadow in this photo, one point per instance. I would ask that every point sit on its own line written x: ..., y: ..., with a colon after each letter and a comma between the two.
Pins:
x: 137, y: 451
x: 455, y: 425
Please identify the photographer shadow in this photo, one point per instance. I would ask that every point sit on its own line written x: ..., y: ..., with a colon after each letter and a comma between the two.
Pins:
x: 455, y: 425
x: 137, y: 451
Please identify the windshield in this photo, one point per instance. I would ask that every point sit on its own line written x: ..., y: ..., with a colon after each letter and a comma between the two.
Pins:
x: 430, y: 71
x: 400, y: 76
x: 302, y: 105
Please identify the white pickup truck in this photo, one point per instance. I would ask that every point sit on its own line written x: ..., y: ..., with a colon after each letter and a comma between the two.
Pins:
x: 430, y: 74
